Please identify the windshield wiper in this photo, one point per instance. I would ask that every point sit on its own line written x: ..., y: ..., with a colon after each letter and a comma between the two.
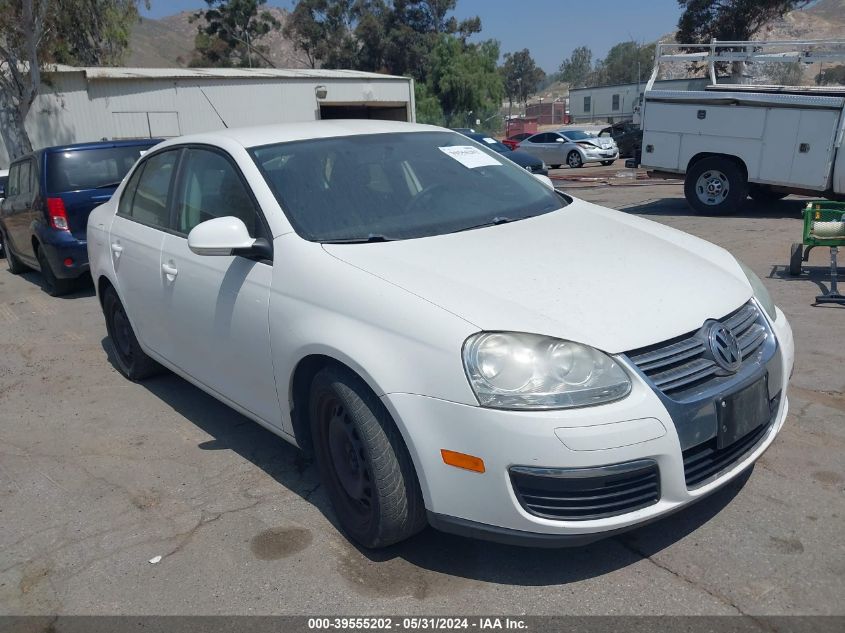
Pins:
x: 108, y: 185
x: 370, y: 239
x: 494, y: 222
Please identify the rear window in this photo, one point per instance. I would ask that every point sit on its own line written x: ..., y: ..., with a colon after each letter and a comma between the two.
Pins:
x: 90, y: 168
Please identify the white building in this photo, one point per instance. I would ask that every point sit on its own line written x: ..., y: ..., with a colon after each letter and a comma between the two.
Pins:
x: 92, y: 104
x: 610, y: 104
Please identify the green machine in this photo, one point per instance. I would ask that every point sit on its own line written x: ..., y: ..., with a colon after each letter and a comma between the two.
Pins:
x: 824, y: 225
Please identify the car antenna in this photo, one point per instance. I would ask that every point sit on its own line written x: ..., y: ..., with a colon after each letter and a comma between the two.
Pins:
x: 213, y: 108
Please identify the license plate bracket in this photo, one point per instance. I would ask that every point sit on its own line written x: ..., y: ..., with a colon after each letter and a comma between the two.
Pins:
x: 741, y: 412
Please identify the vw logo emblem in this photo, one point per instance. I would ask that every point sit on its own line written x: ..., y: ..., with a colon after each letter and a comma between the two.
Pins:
x: 724, y: 347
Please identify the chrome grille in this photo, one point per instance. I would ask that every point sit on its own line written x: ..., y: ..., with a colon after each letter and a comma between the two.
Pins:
x: 684, y: 363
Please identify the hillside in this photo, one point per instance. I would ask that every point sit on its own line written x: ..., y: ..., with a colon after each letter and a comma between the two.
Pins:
x: 169, y: 43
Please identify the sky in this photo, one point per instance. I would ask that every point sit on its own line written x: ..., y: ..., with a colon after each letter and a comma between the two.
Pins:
x: 550, y: 29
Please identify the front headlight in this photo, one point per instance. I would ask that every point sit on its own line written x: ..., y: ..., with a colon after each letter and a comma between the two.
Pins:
x: 760, y: 293
x: 512, y: 370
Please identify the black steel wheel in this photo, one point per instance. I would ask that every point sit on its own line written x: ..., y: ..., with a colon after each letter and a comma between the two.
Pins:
x: 363, y: 461
x: 130, y: 359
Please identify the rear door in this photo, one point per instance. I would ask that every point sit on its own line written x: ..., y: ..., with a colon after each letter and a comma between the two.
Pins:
x: 18, y: 211
x: 135, y: 240
x: 218, y: 306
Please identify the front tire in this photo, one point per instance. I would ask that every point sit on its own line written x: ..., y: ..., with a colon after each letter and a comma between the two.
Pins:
x: 607, y: 162
x: 363, y: 461
x: 131, y: 360
x: 14, y: 264
x: 715, y: 186
x: 574, y: 160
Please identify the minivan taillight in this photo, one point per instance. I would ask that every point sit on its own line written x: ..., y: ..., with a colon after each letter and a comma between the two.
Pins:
x: 57, y: 214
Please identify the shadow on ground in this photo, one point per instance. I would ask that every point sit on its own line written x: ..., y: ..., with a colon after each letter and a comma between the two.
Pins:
x: 678, y: 207
x: 430, y: 550
x: 83, y: 287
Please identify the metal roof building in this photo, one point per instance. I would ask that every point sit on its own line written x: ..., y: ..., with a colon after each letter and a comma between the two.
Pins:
x: 91, y: 104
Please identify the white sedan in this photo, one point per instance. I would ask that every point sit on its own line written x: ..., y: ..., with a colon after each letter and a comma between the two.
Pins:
x: 456, y: 342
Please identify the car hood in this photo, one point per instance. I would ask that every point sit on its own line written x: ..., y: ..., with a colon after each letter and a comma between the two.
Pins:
x: 583, y: 273
x: 523, y: 159
x: 601, y: 142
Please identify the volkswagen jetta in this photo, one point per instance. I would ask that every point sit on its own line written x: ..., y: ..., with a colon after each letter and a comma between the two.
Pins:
x: 458, y: 343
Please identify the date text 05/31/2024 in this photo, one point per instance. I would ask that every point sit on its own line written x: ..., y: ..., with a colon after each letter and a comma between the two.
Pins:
x: 415, y: 623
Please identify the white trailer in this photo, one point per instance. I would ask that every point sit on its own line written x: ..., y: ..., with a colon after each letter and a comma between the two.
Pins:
x: 732, y: 141
x: 92, y: 104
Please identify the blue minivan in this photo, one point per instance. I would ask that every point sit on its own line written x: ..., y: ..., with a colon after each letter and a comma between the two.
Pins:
x: 49, y: 194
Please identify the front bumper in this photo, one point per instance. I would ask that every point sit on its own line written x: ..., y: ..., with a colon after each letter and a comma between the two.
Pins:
x: 600, y: 155
x: 638, y: 427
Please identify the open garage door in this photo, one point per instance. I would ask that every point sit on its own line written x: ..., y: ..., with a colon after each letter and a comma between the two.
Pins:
x: 364, y: 111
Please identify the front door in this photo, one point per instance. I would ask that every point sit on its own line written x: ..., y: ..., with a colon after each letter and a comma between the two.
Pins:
x: 135, y: 241
x: 219, y: 330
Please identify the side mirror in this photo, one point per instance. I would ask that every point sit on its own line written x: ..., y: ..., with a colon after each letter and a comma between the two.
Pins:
x: 560, y: 140
x: 220, y: 236
x: 545, y: 180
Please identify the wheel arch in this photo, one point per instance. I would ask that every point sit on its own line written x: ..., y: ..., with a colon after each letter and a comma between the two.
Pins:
x: 702, y: 155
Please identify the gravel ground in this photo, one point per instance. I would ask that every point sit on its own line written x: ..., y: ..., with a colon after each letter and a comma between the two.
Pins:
x: 99, y: 475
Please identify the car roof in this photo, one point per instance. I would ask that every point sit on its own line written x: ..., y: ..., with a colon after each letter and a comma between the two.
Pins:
x: 286, y: 132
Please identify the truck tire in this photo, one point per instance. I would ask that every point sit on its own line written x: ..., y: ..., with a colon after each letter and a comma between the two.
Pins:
x: 363, y: 461
x: 764, y: 193
x: 796, y: 259
x: 715, y: 186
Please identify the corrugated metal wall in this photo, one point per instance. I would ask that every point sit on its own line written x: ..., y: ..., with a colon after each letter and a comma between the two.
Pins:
x: 77, y: 110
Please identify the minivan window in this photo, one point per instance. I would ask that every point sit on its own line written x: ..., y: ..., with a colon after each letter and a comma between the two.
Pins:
x: 24, y: 178
x: 94, y: 168
x: 398, y: 186
x: 149, y: 205
x: 211, y: 189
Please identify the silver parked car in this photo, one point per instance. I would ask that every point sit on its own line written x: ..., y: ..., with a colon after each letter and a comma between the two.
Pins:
x: 570, y: 147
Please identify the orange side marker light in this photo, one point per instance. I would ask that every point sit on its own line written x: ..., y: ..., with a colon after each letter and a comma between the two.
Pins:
x: 462, y: 460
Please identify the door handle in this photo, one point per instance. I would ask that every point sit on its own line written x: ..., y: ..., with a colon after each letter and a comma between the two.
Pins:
x: 170, y: 271
x: 116, y: 248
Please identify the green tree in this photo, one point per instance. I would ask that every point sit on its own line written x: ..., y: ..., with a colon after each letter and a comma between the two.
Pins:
x: 36, y: 33
x: 520, y: 76
x: 228, y: 33
x: 625, y: 63
x: 576, y: 70
x: 464, y: 77
x: 731, y: 20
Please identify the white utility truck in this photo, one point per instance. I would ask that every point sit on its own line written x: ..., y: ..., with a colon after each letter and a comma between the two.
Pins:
x: 731, y: 141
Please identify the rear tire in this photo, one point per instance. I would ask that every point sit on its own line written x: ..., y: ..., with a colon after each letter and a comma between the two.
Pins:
x: 554, y: 166
x: 131, y: 360
x: 54, y: 286
x: 363, y: 461
x: 607, y: 162
x: 763, y: 193
x: 574, y: 160
x: 715, y: 186
x: 796, y: 259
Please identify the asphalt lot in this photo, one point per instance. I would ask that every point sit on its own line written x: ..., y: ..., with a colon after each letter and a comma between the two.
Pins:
x: 99, y: 475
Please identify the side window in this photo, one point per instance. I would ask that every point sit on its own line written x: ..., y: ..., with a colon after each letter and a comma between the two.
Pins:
x: 24, y: 186
x: 149, y: 204
x: 12, y: 187
x: 211, y: 188
x: 126, y: 198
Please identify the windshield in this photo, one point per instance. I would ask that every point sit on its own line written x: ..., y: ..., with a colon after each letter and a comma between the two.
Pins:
x: 398, y: 186
x: 78, y: 169
x: 576, y: 135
